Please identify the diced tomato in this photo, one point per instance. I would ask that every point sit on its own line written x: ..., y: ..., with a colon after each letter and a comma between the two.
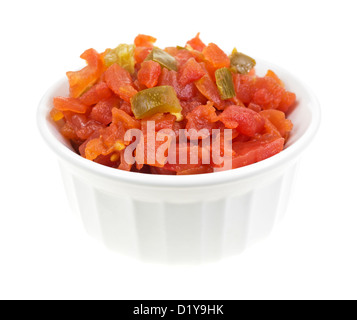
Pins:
x: 128, y: 121
x: 106, y: 160
x: 123, y: 164
x: 69, y: 104
x: 83, y: 126
x: 246, y: 121
x: 127, y: 92
x: 94, y: 149
x: 56, y: 115
x: 102, y: 111
x: 273, y: 75
x: 172, y: 50
x: 98, y: 92
x: 235, y: 100
x: 141, y: 53
x: 271, y: 129
x: 268, y: 93
x: 245, y: 87
x: 277, y: 118
x: 209, y: 89
x: 216, y: 56
x: 182, y: 56
x: 83, y: 145
x: 170, y: 78
x: 152, y: 148
x: 287, y: 101
x: 80, y: 81
x: 191, y: 153
x: 120, y: 82
x: 256, y: 150
x: 189, y: 106
x: 190, y: 72
x: 162, y: 121
x: 196, y: 43
x: 126, y: 107
x: 68, y: 131
x: 149, y: 73
x: 202, y: 117
x: 143, y: 40
x: 111, y: 135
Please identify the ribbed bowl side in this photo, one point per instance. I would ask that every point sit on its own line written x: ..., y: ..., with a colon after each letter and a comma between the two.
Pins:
x: 201, y: 226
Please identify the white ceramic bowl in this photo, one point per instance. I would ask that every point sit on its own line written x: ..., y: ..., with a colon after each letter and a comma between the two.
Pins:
x: 183, y: 219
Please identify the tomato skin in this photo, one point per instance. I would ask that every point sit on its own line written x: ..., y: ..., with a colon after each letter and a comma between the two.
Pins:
x: 247, y: 121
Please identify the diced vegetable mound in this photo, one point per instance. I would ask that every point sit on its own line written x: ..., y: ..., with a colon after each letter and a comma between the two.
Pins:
x: 184, y: 89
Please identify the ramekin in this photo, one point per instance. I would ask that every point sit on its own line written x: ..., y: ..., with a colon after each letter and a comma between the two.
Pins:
x: 183, y: 219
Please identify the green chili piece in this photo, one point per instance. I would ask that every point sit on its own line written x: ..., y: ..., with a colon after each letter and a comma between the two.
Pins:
x: 241, y: 62
x: 156, y: 100
x: 165, y: 59
x: 224, y: 81
x: 122, y: 55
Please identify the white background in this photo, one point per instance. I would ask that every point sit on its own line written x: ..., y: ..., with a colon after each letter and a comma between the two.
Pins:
x: 44, y: 251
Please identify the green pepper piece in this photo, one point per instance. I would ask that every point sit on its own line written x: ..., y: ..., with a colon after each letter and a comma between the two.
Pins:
x: 241, y: 63
x: 224, y: 81
x: 156, y: 100
x: 165, y: 59
x: 122, y: 55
